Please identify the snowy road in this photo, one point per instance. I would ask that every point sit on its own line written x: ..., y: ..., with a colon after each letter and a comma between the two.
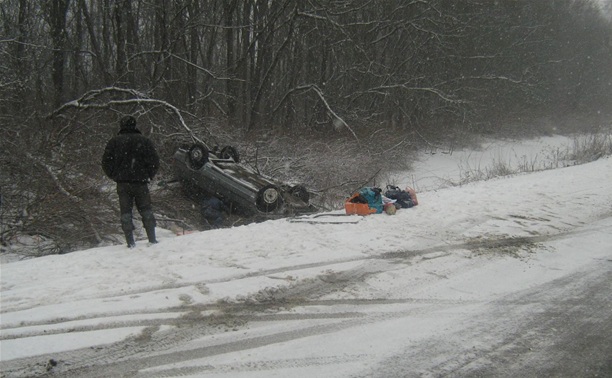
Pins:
x: 558, y: 327
x: 507, y: 277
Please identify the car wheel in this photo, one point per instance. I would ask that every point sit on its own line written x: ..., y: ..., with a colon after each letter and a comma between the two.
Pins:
x: 198, y: 156
x: 299, y: 191
x: 268, y: 198
x: 229, y: 152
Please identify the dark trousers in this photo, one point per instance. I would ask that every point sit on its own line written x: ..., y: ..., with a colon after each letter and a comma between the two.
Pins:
x: 130, y: 193
x: 213, y: 217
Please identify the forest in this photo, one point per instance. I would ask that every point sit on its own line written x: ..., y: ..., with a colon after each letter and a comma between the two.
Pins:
x: 327, y: 92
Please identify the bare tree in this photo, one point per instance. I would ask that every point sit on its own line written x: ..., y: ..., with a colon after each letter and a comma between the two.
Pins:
x: 57, y: 21
x: 320, y: 69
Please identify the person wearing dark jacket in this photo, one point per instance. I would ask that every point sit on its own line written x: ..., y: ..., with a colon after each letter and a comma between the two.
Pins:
x: 212, y: 211
x: 130, y: 159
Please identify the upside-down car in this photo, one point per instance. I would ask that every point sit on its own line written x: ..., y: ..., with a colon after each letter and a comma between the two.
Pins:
x: 219, y: 173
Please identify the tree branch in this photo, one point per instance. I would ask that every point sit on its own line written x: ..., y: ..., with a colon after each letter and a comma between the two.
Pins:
x: 90, y: 100
x: 319, y: 92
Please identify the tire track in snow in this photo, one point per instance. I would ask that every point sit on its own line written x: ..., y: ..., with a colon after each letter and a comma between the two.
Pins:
x: 143, y: 362
x: 149, y: 347
x: 527, y: 335
x: 308, y: 287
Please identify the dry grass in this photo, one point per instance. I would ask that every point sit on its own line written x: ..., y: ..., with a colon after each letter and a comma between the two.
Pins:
x: 585, y: 149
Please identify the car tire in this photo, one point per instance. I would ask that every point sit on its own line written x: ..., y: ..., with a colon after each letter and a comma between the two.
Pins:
x: 229, y: 152
x: 300, y: 192
x: 198, y: 156
x: 268, y: 198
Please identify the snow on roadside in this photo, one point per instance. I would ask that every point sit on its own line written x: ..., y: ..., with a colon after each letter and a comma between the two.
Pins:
x: 104, y: 285
x: 437, y: 168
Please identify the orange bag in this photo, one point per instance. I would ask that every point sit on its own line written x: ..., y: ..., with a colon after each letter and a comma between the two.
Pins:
x: 353, y: 208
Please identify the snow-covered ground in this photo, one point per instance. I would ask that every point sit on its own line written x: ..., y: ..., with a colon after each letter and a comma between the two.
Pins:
x: 443, y: 167
x: 329, y: 296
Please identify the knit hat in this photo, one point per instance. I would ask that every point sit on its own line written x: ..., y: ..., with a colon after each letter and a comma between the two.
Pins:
x: 127, y: 123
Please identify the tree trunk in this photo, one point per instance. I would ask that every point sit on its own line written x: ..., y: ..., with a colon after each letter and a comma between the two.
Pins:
x: 194, y: 47
x: 57, y: 22
x: 101, y: 72
x: 230, y: 64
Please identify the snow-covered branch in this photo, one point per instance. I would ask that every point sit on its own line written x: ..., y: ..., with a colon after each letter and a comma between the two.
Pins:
x: 54, y: 177
x: 319, y: 92
x: 93, y: 100
x: 435, y: 91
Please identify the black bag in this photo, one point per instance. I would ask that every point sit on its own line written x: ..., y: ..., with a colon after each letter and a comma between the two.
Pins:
x: 401, y: 197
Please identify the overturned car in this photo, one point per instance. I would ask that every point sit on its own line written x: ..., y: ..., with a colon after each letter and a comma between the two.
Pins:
x: 219, y: 173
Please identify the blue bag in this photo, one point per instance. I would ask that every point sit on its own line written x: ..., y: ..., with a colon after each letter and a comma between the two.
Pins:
x: 373, y: 197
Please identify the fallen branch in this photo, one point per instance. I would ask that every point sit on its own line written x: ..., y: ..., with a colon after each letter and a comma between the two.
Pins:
x: 319, y: 93
x: 90, y: 100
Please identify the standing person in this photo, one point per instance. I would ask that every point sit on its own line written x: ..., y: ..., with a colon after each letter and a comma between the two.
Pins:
x: 130, y: 159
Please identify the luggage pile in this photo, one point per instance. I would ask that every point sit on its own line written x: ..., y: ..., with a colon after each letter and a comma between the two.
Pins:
x: 370, y: 200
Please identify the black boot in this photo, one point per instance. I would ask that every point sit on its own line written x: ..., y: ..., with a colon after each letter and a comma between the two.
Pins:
x: 148, y: 221
x: 129, y: 238
x: 128, y: 227
x: 151, y: 234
